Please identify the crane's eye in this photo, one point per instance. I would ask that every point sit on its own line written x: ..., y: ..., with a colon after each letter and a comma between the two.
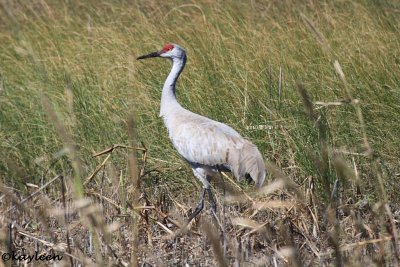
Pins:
x: 167, y: 47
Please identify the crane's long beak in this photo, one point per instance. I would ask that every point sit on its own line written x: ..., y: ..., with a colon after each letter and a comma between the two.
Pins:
x: 154, y: 54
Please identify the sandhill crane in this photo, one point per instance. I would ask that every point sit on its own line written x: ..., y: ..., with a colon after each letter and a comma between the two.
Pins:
x: 206, y: 145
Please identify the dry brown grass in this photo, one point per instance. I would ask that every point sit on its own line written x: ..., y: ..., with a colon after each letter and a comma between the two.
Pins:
x: 281, y: 224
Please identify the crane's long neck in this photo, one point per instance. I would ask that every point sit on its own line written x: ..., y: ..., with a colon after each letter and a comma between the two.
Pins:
x: 168, y: 99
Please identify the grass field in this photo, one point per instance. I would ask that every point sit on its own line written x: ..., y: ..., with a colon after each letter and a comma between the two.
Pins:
x: 314, y: 84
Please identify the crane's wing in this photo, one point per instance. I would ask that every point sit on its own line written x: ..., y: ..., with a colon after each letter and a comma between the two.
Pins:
x: 203, y: 141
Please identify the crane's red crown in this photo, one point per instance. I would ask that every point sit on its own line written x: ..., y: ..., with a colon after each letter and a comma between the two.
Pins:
x: 168, y: 47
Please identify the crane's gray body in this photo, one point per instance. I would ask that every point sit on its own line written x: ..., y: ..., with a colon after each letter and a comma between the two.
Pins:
x: 207, y: 145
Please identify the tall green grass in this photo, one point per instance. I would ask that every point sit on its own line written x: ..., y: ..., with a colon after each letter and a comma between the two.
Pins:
x: 81, y: 56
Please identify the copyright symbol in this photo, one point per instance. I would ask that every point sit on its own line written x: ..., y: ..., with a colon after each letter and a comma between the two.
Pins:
x: 6, y: 256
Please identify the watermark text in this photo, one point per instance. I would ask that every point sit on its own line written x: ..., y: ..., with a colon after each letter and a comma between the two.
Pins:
x: 13, y: 256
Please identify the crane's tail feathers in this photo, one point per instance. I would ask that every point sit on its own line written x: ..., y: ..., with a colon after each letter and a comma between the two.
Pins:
x: 249, y: 162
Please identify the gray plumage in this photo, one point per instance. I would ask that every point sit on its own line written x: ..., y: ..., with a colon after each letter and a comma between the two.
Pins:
x: 207, y: 145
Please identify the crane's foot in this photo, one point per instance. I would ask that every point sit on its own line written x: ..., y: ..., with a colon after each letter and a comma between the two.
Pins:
x: 199, y: 206
x: 213, y: 206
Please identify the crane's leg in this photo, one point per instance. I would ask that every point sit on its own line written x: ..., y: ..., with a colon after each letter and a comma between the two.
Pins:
x: 202, y: 175
x: 199, y: 206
